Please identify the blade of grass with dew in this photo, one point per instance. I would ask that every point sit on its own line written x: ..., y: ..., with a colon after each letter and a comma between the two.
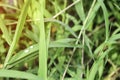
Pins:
x: 33, y: 50
x: 18, y: 74
x: 105, y: 17
x: 42, y: 72
x: 5, y: 31
x: 18, y: 31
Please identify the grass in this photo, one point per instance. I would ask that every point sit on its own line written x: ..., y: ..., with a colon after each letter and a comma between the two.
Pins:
x: 59, y: 40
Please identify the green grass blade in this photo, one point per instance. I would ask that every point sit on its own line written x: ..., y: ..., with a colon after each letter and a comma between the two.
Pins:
x: 33, y: 50
x: 95, y: 66
x: 93, y: 70
x: 18, y: 74
x: 105, y: 17
x: 93, y: 14
x: 64, y: 25
x: 5, y: 31
x: 18, y: 31
x: 113, y: 38
x: 80, y: 10
x: 8, y: 6
x: 59, y: 44
x: 42, y: 72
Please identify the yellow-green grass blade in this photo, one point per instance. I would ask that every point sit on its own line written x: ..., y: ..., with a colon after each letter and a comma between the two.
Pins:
x: 5, y: 32
x: 8, y: 6
x: 18, y: 31
x: 42, y: 72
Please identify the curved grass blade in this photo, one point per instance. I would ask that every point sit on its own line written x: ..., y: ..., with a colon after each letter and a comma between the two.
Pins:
x: 105, y: 17
x: 63, y: 24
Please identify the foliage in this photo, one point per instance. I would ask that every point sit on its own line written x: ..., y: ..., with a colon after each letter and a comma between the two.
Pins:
x: 59, y: 39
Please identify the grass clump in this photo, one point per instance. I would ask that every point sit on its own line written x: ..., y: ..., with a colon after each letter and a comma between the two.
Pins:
x: 59, y: 39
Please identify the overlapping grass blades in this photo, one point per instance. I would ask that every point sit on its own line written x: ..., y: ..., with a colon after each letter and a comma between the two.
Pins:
x: 42, y: 72
x: 5, y: 31
x: 18, y: 31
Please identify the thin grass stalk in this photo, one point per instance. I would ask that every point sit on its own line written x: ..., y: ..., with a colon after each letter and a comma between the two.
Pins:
x: 79, y: 36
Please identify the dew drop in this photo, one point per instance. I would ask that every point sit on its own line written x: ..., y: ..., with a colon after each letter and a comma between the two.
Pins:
x: 31, y: 46
x: 26, y: 50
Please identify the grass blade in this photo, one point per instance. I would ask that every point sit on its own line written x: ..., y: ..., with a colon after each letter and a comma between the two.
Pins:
x: 64, y: 25
x: 5, y: 31
x: 80, y: 10
x: 95, y: 66
x: 33, y: 50
x: 18, y: 74
x: 105, y: 17
x: 18, y: 31
x: 42, y: 72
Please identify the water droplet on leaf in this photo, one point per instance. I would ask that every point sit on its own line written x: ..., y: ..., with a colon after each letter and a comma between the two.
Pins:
x: 26, y: 50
